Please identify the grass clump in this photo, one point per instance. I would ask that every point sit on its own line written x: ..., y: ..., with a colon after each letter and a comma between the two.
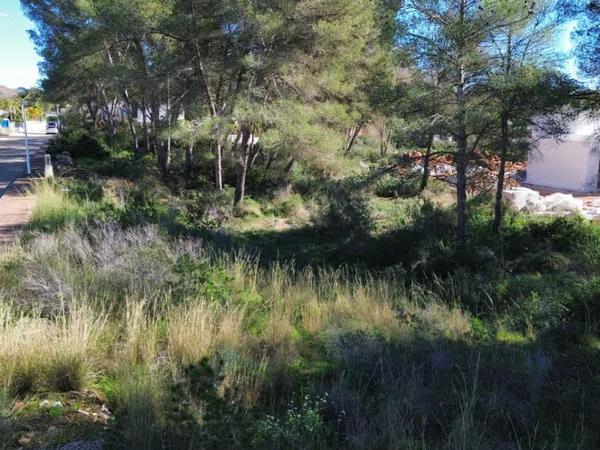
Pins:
x: 40, y: 353
x: 53, y: 208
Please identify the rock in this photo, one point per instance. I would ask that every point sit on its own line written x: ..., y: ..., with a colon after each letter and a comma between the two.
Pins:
x: 24, y: 441
x: 442, y: 169
x: 524, y: 199
x: 592, y: 213
x: 63, y: 160
x: 564, y: 203
x: 417, y: 169
x: 521, y: 198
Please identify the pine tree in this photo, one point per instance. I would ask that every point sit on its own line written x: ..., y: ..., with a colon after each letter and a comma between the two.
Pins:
x: 449, y: 34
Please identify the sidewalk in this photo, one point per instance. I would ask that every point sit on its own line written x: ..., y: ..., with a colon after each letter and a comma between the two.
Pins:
x: 17, y: 201
x: 15, y: 207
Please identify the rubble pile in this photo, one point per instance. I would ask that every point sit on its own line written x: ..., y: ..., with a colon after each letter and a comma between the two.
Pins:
x: 525, y: 199
x: 481, y: 177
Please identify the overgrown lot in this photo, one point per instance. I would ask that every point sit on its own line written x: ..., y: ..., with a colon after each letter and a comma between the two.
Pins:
x: 257, y: 337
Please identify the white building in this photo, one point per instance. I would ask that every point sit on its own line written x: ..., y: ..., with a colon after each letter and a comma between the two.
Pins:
x: 571, y: 163
x: 162, y: 114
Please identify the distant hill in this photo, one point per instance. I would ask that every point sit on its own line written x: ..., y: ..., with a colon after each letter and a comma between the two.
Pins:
x: 7, y: 92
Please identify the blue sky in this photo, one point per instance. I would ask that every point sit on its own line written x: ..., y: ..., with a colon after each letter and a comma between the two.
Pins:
x: 18, y: 59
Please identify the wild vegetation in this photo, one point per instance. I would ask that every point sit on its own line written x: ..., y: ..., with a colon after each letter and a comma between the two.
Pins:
x: 263, y: 261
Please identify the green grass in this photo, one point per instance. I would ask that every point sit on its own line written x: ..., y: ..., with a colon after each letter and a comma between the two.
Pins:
x: 54, y: 208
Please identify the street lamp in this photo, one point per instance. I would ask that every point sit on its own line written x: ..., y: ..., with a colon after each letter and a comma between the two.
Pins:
x: 22, y: 92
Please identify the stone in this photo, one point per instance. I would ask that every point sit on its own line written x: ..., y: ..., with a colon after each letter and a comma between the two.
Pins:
x: 24, y: 441
x: 521, y: 198
x: 564, y: 203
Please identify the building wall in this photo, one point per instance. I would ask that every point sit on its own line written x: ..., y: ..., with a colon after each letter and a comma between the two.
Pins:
x: 568, y: 165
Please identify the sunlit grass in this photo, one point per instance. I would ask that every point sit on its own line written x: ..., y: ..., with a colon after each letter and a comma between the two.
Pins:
x: 53, y: 207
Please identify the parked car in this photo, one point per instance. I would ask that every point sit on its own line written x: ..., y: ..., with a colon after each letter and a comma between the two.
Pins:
x: 51, y: 128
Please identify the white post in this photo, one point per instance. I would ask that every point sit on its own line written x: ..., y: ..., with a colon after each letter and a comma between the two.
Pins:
x: 24, y: 117
x: 48, y: 171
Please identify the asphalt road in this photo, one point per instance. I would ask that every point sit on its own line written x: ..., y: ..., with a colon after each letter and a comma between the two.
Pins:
x: 12, y: 157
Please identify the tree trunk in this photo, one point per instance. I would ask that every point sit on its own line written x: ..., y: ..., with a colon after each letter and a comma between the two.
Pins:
x: 426, y: 161
x: 214, y: 112
x: 270, y: 160
x: 188, y: 159
x: 164, y: 159
x: 253, y: 155
x: 142, y: 61
x: 384, y: 139
x: 109, y: 113
x: 134, y: 140
x: 504, y: 143
x: 154, y: 126
x: 461, y: 137
x: 93, y: 114
x: 242, y: 168
x: 351, y: 138
x: 461, y: 195
x: 288, y: 171
x: 145, y: 127
x: 461, y: 161
x: 498, y: 212
x: 218, y: 152
x: 131, y: 121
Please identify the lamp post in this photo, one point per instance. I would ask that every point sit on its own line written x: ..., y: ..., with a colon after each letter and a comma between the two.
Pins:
x: 22, y: 92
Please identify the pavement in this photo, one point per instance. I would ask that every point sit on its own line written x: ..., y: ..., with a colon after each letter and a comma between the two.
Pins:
x: 16, y: 201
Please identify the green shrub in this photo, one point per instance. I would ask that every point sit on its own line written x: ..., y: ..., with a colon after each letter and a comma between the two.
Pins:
x: 142, y: 205
x: 347, y: 211
x: 394, y: 186
x: 208, y: 208
x: 301, y: 427
x: 543, y: 261
x: 199, y: 278
x: 538, y: 300
x: 80, y: 144
x: 286, y: 205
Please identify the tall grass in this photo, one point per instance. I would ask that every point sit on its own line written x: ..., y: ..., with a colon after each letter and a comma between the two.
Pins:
x: 53, y: 207
x: 40, y: 353
x: 219, y: 340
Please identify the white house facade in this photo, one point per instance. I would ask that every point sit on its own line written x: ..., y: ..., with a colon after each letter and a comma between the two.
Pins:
x: 571, y: 163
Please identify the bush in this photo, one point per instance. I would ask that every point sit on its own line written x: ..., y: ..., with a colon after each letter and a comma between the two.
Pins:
x: 543, y: 261
x: 301, y: 427
x: 394, y: 187
x: 288, y: 206
x: 347, y: 211
x: 208, y: 208
x: 80, y: 144
x: 540, y: 301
